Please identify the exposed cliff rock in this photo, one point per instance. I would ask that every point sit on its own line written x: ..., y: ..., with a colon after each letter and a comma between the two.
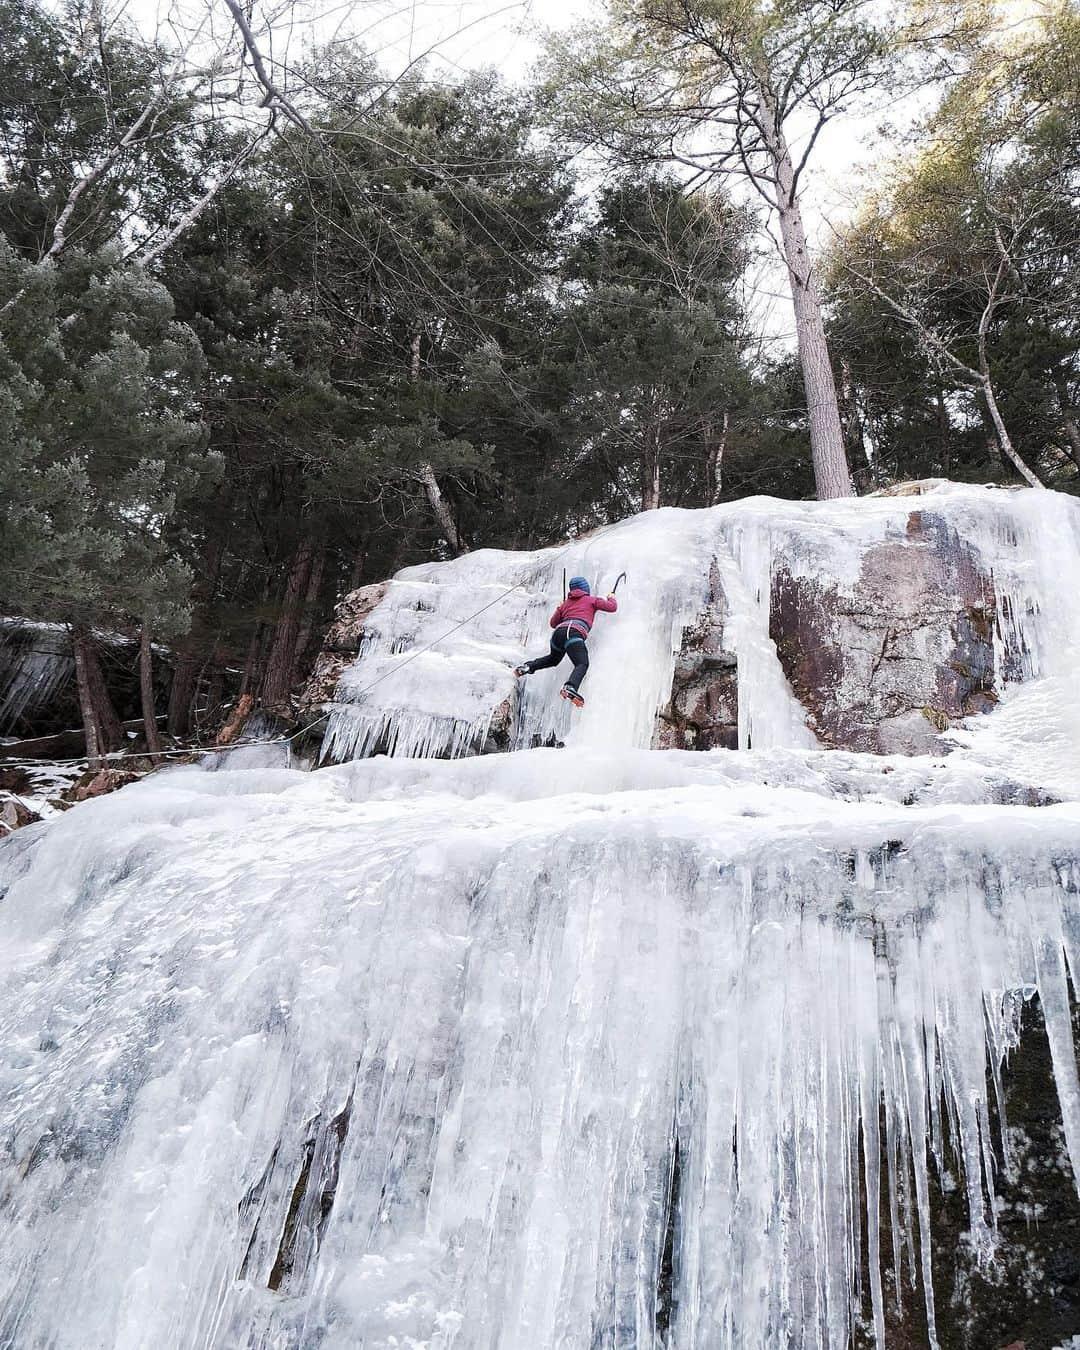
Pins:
x: 14, y: 814
x: 703, y: 711
x: 888, y: 663
x: 96, y: 783
x: 342, y: 644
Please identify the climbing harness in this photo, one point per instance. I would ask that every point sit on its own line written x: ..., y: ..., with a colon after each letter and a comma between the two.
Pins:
x: 571, y: 635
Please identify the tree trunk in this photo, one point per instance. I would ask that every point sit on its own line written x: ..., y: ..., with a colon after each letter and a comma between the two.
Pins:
x: 215, y: 694
x: 944, y: 429
x: 359, y: 562
x: 100, y: 722
x: 442, y: 510
x: 251, y: 673
x: 1072, y: 432
x: 650, y: 468
x: 714, y: 469
x: 1004, y: 439
x: 440, y: 507
x: 1068, y: 421
x: 146, y: 691
x: 182, y: 691
x: 278, y: 681
x: 858, y: 446
x: 311, y: 608
x: 190, y: 658
x: 832, y: 477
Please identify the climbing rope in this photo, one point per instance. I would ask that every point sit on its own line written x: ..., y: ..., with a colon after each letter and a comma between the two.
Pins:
x: 197, y: 751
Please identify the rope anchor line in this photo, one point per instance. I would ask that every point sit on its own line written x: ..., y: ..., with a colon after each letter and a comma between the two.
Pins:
x: 197, y: 751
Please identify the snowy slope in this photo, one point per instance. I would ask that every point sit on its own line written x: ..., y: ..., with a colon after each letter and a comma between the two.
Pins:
x: 445, y: 1053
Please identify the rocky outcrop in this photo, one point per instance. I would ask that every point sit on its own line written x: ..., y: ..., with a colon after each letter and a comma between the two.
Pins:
x: 886, y: 664
x: 14, y: 814
x: 883, y: 664
x: 703, y: 711
x: 96, y: 783
x: 341, y: 646
x: 875, y: 626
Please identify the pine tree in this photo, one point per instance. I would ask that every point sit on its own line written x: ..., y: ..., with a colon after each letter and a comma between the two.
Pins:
x: 97, y: 388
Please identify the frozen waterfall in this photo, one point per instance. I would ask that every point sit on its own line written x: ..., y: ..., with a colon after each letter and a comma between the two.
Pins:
x: 586, y: 1048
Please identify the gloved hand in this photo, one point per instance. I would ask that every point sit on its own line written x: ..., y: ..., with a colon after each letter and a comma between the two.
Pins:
x: 611, y: 595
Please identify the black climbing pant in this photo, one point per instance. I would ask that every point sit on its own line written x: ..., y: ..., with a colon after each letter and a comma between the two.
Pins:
x: 565, y: 643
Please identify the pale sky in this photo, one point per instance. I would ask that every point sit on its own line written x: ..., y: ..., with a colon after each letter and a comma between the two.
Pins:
x: 458, y: 35
x: 507, y: 35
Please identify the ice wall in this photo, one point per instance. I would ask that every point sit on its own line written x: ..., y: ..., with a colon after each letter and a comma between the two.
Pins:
x: 403, y: 1053
x: 566, y: 1049
x: 442, y: 700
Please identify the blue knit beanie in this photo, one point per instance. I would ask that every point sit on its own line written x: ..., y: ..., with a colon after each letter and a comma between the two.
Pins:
x: 579, y: 584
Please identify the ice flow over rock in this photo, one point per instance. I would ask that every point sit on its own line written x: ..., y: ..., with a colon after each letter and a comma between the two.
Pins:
x: 600, y: 1046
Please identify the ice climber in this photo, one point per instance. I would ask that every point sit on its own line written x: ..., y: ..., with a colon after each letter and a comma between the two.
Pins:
x: 572, y: 621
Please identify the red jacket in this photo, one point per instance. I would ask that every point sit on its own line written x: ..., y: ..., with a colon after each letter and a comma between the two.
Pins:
x: 581, y: 607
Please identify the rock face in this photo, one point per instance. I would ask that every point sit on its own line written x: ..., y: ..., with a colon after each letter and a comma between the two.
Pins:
x: 887, y: 664
x: 14, y: 814
x: 342, y: 644
x: 703, y: 711
x: 883, y: 664
x: 96, y: 783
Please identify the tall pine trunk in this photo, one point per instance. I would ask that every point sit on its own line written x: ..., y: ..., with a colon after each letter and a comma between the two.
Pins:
x: 440, y: 507
x: 650, y: 467
x: 714, y: 463
x: 867, y: 472
x: 832, y: 477
x: 359, y: 562
x: 278, y: 681
x: 146, y: 691
x: 100, y: 722
x: 944, y: 433
x: 191, y: 655
x: 182, y: 690
x: 310, y: 610
x: 441, y: 510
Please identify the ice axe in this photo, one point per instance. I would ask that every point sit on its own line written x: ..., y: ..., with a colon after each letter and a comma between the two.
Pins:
x: 620, y: 577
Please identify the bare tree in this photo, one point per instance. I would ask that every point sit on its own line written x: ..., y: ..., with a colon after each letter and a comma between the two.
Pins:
x: 146, y: 691
x: 101, y: 724
x: 725, y: 88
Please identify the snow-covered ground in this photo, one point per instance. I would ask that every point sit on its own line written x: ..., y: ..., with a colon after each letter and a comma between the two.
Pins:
x: 402, y: 1052
x: 47, y: 780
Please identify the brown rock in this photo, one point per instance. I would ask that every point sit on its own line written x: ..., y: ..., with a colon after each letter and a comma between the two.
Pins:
x: 15, y: 779
x: 888, y: 664
x: 14, y: 814
x: 341, y: 646
x: 501, y: 728
x: 703, y: 711
x: 98, y: 783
